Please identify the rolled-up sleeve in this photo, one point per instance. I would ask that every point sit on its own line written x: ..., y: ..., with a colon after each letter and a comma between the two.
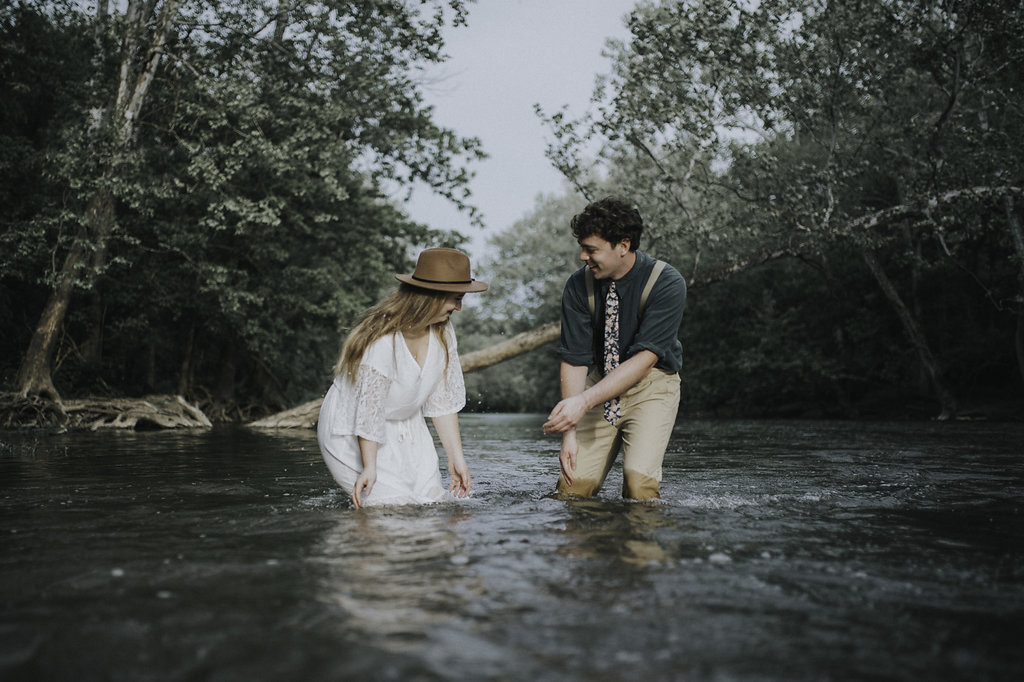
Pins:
x: 576, y: 345
x: 659, y: 328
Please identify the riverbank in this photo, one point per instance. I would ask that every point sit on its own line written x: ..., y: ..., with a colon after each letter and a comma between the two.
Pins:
x: 172, y: 411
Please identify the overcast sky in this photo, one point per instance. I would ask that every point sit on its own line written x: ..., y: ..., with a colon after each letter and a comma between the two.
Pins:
x: 514, y: 54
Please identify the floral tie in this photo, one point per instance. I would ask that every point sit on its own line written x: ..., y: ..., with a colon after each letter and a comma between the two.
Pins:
x: 612, y: 411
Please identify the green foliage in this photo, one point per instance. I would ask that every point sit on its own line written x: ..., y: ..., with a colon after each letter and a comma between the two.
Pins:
x: 252, y: 220
x: 531, y: 261
x: 810, y: 337
x: 822, y: 130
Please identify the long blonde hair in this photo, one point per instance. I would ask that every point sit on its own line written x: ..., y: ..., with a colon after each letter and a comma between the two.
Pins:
x: 404, y: 309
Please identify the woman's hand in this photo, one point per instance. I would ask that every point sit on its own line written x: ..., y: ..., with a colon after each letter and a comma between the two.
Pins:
x: 448, y: 431
x: 367, y: 477
x: 458, y: 472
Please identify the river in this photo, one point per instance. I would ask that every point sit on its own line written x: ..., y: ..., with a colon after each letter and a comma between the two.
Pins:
x: 782, y: 550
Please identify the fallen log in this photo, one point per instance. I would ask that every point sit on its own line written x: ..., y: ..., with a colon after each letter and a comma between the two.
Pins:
x: 149, y: 412
x: 302, y: 417
x: 305, y: 416
x: 517, y: 345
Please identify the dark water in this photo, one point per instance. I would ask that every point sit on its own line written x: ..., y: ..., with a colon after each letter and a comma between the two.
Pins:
x: 782, y: 551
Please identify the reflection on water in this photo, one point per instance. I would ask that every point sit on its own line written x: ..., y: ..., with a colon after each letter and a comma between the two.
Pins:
x: 629, y: 533
x: 781, y: 551
x: 373, y: 565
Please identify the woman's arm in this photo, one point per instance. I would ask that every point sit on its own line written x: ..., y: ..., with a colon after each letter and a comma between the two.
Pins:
x: 368, y: 476
x: 448, y: 431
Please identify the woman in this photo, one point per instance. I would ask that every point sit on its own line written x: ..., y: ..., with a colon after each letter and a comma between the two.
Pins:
x: 398, y: 365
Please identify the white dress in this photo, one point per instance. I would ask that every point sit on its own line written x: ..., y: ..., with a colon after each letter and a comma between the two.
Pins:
x: 388, y: 404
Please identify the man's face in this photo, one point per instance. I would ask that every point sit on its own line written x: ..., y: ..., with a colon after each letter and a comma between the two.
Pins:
x: 604, y: 258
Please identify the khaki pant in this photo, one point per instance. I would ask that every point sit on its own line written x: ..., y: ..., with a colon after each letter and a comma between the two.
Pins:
x: 649, y: 412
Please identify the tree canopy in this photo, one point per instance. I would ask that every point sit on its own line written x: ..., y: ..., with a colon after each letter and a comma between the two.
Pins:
x: 197, y: 197
x: 869, y: 139
x: 206, y: 186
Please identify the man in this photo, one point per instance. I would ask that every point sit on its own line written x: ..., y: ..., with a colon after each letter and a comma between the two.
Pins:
x: 620, y: 363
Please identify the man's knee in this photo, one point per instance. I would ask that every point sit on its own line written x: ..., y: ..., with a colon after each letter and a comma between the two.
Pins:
x: 579, y: 487
x: 638, y: 486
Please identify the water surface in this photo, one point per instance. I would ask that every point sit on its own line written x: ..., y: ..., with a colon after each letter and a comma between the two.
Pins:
x: 781, y: 551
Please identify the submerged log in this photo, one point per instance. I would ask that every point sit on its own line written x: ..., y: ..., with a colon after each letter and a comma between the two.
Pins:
x: 305, y: 416
x: 149, y: 412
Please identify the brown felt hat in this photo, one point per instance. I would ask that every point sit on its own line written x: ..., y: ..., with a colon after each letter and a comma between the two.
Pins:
x: 443, y: 270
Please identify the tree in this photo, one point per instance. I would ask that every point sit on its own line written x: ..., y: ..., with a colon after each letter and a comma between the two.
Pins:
x: 780, y: 128
x: 224, y: 135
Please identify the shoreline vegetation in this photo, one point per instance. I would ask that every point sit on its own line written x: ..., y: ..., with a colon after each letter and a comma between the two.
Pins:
x: 204, y: 212
x: 160, y: 412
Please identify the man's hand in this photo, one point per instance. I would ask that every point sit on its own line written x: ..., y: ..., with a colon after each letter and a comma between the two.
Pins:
x: 567, y: 456
x: 566, y: 415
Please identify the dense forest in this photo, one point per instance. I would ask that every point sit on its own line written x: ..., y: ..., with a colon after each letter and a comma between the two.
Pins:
x: 840, y: 182
x: 199, y: 198
x: 195, y: 194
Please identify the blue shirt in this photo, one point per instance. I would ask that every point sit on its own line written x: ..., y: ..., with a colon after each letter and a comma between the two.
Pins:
x: 657, y: 332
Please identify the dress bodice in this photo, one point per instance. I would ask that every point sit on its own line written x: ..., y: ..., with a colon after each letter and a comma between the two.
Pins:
x: 391, y: 385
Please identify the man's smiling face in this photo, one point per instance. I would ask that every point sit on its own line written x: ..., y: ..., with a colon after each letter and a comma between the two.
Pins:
x: 604, y: 258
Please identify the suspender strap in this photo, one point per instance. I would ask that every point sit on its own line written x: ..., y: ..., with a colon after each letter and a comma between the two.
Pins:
x: 589, y: 277
x: 592, y: 302
x: 651, y: 279
x: 655, y: 273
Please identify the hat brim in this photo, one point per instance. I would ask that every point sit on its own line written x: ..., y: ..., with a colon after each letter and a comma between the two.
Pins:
x: 470, y: 287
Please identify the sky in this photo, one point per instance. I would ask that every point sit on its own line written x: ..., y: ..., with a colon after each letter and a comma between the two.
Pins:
x: 512, y: 55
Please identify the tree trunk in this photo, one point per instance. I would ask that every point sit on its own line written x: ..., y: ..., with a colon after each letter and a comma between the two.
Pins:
x: 281, y: 20
x: 188, y: 363
x: 224, y: 391
x: 913, y: 331
x: 517, y: 345
x: 914, y: 249
x: 150, y: 364
x: 1018, y: 245
x: 92, y: 346
x: 35, y: 376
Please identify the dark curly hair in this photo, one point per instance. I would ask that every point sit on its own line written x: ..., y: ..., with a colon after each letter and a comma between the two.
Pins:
x: 611, y: 219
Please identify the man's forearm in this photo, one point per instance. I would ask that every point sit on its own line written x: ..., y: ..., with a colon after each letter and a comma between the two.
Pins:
x: 620, y: 379
x: 573, y: 379
x: 576, y: 401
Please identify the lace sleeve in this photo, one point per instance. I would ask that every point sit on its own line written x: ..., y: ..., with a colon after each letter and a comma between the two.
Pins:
x: 371, y: 392
x: 450, y: 395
